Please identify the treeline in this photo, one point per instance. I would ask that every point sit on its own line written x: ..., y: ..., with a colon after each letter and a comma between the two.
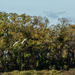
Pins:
x: 29, y: 43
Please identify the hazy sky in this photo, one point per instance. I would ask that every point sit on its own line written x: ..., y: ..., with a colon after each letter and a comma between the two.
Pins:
x: 53, y: 9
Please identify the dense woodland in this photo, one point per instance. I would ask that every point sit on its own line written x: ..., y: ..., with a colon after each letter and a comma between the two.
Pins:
x: 31, y: 43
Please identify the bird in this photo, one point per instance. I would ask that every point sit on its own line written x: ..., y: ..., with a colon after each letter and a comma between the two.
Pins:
x: 24, y: 40
x: 15, y: 43
x: 21, y: 42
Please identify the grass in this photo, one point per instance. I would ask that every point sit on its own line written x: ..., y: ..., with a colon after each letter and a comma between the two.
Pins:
x: 42, y: 72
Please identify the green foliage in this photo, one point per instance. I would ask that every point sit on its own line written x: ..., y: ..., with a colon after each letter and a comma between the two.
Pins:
x: 28, y: 43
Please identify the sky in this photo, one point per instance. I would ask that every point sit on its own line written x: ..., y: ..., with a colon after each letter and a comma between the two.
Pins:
x: 52, y: 9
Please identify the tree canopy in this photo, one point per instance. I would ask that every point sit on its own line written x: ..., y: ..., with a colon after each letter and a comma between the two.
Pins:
x: 28, y: 42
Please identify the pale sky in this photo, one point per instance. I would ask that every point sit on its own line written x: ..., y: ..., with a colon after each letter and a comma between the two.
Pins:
x: 52, y: 9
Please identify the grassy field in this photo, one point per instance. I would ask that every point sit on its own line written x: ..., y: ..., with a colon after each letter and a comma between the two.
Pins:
x: 42, y: 72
